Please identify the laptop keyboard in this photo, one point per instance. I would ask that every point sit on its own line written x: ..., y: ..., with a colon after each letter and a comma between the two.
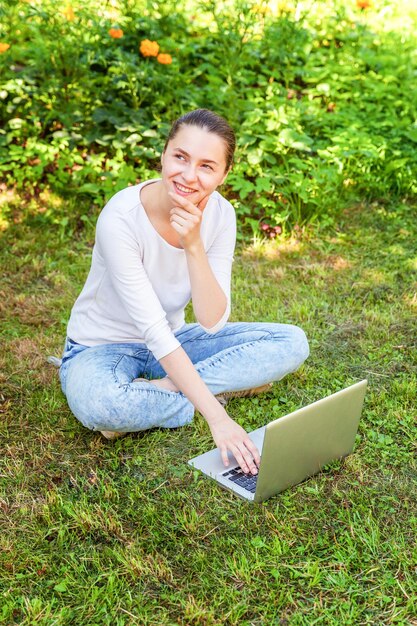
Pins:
x: 247, y: 481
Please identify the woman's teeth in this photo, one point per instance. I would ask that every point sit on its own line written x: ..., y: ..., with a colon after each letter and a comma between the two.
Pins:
x: 183, y: 189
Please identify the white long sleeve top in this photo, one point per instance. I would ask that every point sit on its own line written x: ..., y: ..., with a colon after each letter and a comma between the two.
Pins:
x: 138, y: 285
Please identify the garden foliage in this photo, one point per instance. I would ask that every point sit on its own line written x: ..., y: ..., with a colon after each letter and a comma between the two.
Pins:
x: 324, y: 107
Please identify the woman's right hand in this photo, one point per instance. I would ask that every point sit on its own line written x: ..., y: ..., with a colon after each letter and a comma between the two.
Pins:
x: 229, y: 436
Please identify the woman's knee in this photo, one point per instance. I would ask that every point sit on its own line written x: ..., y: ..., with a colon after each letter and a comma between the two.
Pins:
x: 125, y: 407
x: 300, y: 343
x: 292, y: 347
x: 93, y: 404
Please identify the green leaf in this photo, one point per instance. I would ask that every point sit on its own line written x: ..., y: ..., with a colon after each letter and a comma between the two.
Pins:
x: 88, y: 188
x: 263, y: 184
x: 16, y: 123
x: 323, y: 88
x: 292, y: 139
x: 254, y: 156
x: 150, y: 132
x: 396, y: 164
x: 412, y: 134
x: 133, y: 139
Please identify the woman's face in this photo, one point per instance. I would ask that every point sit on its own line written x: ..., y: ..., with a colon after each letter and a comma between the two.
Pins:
x: 194, y: 163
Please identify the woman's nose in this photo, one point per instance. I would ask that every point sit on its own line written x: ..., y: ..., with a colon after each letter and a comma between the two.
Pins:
x: 189, y: 173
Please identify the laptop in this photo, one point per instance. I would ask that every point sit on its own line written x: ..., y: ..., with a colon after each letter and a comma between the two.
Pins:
x: 292, y: 447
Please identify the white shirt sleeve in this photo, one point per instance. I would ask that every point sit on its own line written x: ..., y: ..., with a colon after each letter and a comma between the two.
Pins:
x: 121, y: 253
x: 220, y: 258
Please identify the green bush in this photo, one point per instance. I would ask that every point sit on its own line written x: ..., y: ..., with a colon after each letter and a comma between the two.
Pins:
x: 323, y: 103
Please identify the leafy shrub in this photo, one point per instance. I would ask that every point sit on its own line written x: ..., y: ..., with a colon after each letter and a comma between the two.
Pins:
x: 323, y: 103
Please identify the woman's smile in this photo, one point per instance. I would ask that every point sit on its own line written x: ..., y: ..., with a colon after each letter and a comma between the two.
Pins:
x: 182, y: 190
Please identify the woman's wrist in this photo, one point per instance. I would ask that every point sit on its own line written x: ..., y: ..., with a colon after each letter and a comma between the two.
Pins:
x: 195, y: 248
x: 216, y: 414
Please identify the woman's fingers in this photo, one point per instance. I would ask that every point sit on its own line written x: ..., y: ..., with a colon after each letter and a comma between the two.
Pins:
x: 181, y: 225
x: 246, y: 461
x: 178, y: 229
x: 185, y: 219
x: 177, y: 219
x: 223, y: 452
x: 187, y: 205
x: 245, y: 456
x: 253, y: 450
x: 244, y: 465
x: 185, y: 215
x: 231, y: 437
x: 177, y: 210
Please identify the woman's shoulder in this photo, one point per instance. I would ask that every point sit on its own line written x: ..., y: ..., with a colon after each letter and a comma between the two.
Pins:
x: 124, y: 204
x: 125, y: 200
x: 121, y: 216
x: 222, y: 207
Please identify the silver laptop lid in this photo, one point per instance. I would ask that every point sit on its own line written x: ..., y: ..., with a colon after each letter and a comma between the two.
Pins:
x: 299, y: 444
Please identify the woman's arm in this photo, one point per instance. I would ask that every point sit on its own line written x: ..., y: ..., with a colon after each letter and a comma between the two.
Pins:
x: 210, y: 305
x: 227, y: 434
x: 209, y: 299
x: 119, y: 249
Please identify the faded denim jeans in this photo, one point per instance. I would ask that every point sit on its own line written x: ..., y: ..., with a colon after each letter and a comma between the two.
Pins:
x: 98, y: 380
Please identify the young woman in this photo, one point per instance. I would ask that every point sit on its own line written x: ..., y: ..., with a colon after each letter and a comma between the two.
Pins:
x: 130, y: 362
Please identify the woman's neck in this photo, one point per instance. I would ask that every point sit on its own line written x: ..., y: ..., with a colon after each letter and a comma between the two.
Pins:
x: 155, y: 200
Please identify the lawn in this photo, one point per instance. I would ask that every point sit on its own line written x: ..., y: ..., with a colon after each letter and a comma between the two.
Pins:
x: 323, y: 99
x: 127, y: 533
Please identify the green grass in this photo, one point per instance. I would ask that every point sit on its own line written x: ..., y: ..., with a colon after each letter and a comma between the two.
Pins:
x: 122, y: 533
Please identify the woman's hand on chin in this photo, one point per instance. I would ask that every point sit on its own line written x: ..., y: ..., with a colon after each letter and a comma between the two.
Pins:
x: 185, y: 218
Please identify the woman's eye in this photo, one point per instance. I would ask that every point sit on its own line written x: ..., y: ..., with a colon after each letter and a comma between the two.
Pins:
x: 179, y: 156
x: 207, y: 166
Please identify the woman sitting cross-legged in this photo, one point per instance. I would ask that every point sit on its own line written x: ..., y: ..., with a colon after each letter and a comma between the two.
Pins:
x: 130, y: 362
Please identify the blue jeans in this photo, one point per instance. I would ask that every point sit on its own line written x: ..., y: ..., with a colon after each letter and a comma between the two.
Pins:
x: 97, y: 381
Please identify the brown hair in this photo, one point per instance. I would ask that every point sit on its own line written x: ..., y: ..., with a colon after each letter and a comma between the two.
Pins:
x: 213, y: 123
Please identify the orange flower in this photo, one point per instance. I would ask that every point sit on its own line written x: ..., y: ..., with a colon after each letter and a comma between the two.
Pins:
x: 363, y: 4
x: 165, y: 59
x: 4, y: 47
x: 69, y: 13
x: 149, y: 48
x: 116, y: 33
